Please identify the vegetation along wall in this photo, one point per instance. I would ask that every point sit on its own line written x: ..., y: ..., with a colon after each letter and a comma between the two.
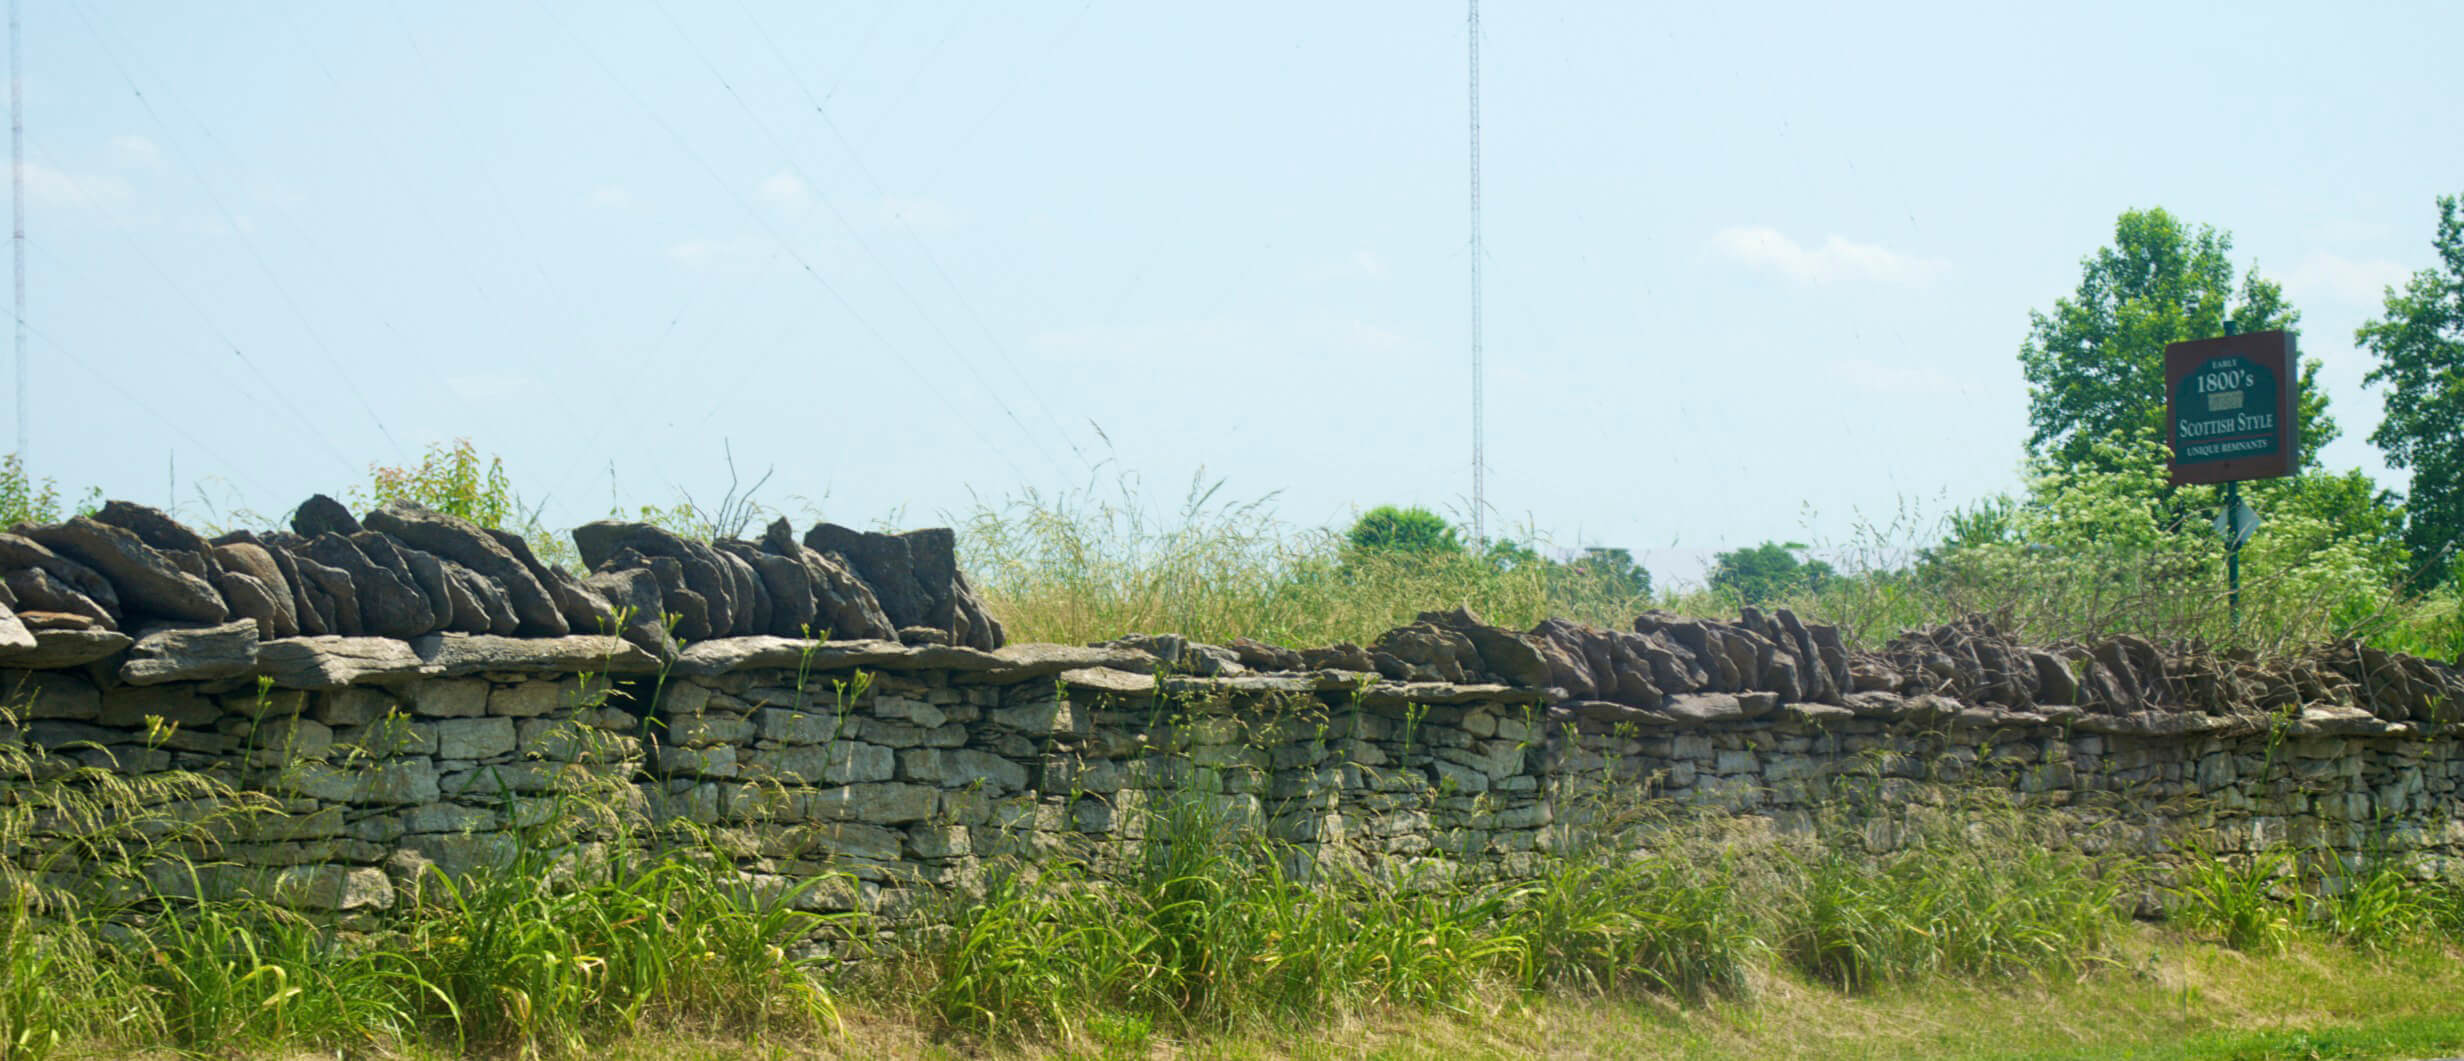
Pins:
x: 838, y: 714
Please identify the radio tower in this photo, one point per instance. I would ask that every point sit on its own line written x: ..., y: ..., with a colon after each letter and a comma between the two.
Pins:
x: 1480, y: 494
x: 17, y: 214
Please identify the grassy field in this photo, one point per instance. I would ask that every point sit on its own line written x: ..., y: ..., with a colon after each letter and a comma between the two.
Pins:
x: 2179, y: 997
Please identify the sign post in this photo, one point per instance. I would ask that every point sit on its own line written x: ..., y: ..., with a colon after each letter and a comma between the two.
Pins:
x: 2229, y: 413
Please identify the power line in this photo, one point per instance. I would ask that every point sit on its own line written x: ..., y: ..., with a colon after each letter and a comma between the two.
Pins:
x: 271, y: 388
x: 855, y: 158
x: 857, y: 236
x: 686, y: 148
x: 332, y: 362
x: 143, y: 406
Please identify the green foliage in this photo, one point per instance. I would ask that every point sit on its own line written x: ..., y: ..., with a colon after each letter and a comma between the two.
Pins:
x: 450, y: 478
x: 1767, y: 572
x: 2095, y: 365
x: 2419, y: 342
x: 1408, y: 530
x: 24, y: 499
x: 2106, y: 546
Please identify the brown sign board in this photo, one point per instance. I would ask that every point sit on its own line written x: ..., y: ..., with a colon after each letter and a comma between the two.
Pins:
x: 2229, y: 408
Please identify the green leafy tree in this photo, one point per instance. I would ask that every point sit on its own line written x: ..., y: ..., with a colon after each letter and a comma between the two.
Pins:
x: 1404, y: 530
x: 2095, y: 365
x: 1767, y: 572
x: 2419, y: 342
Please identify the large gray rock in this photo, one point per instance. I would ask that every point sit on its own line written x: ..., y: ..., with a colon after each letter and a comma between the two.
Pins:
x: 883, y: 562
x: 843, y: 606
x: 65, y: 648
x: 327, y: 592
x: 427, y: 573
x: 250, y: 599
x: 455, y: 655
x: 148, y: 582
x: 915, y: 578
x: 19, y: 551
x: 700, y: 567
x: 585, y: 612
x: 429, y: 611
x: 495, y: 606
x: 468, y: 544
x: 786, y: 585
x: 334, y: 662
x: 312, y: 623
x: 752, y: 615
x: 389, y: 606
x: 635, y: 594
x: 1504, y: 653
x: 192, y: 654
x: 184, y: 547
x: 36, y: 590
x: 244, y: 555
x: 682, y: 611
x: 323, y: 515
x: 14, y: 637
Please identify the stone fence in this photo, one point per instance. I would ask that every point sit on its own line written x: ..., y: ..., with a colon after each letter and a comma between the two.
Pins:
x: 411, y: 692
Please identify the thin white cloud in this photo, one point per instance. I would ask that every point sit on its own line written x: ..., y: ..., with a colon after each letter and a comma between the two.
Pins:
x: 610, y: 197
x: 136, y: 152
x: 785, y: 191
x: 55, y: 188
x: 2335, y: 277
x: 1837, y: 259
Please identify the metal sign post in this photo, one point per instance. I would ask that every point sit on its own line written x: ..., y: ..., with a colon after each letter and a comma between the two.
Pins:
x: 2230, y: 414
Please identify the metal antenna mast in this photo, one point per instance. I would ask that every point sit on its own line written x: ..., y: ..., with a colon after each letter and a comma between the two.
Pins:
x: 17, y: 212
x: 1480, y: 494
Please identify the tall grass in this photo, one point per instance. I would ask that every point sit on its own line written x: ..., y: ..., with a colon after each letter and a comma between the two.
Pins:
x: 1089, y: 566
x: 1085, y: 566
x: 120, y: 927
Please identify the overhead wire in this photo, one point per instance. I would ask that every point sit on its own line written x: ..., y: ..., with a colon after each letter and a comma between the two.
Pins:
x: 507, y: 219
x: 272, y: 388
x: 316, y: 337
x: 904, y: 94
x: 856, y: 235
x: 856, y: 159
x: 1068, y: 30
x: 685, y: 147
x: 109, y: 382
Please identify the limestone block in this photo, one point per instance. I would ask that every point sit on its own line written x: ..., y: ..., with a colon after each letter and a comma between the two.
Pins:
x: 474, y: 738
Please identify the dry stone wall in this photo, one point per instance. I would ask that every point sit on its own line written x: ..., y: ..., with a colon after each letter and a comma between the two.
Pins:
x: 907, y: 761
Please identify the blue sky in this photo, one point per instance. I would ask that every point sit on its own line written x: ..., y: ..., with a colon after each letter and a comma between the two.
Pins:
x: 1752, y: 272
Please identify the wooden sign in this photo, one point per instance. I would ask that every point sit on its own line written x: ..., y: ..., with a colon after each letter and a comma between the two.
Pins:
x: 2229, y: 408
